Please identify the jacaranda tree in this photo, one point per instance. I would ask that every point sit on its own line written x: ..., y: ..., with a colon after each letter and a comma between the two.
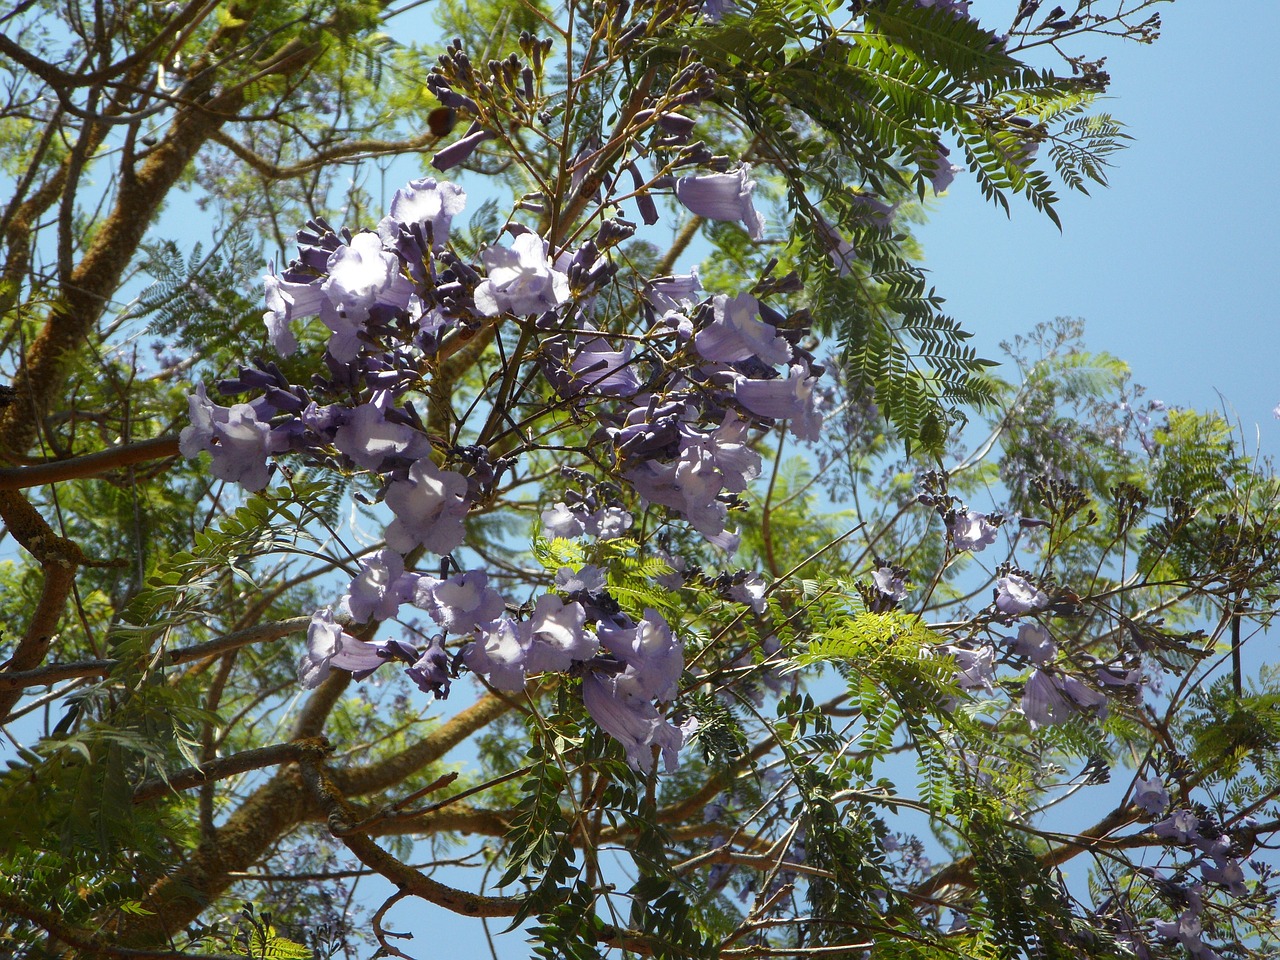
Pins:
x: 509, y: 452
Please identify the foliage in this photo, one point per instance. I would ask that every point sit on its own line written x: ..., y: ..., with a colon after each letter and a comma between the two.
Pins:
x: 757, y: 675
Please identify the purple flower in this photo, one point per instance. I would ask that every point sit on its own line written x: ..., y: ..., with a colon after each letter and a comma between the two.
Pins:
x: 890, y: 584
x: 1016, y: 595
x: 722, y: 196
x: 461, y: 603
x: 1035, y: 643
x: 557, y: 637
x: 975, y: 667
x: 751, y: 592
x: 431, y: 670
x: 328, y: 646
x: 653, y: 656
x: 1227, y: 872
x: 590, y: 579
x: 841, y: 251
x: 369, y: 438
x: 791, y: 400
x: 462, y: 148
x: 424, y: 201
x: 634, y: 722
x: 940, y: 170
x: 520, y: 280
x: 673, y: 293
x: 361, y: 275
x: 381, y: 586
x: 236, y: 437
x: 971, y: 531
x: 429, y: 507
x: 286, y: 302
x: 559, y: 521
x: 1051, y: 698
x: 1182, y: 826
x: 500, y: 652
x: 598, y: 368
x: 1186, y: 930
x: 736, y: 333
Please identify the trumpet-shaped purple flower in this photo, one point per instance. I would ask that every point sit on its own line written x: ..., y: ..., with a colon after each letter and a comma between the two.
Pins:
x: 599, y: 369
x: 940, y: 170
x: 634, y: 722
x: 369, y: 438
x: 520, y: 279
x: 361, y: 275
x: 971, y: 531
x: 653, y: 656
x: 890, y: 584
x: 425, y: 201
x: 381, y: 586
x: 1016, y: 595
x: 500, y: 652
x: 288, y: 301
x: 751, y: 592
x: 590, y: 579
x: 557, y: 637
x: 431, y: 670
x: 722, y: 196
x: 1186, y: 930
x: 791, y: 399
x: 975, y: 667
x: 1151, y: 795
x: 1227, y: 872
x: 1182, y: 826
x: 236, y: 437
x: 460, y: 603
x: 1050, y: 698
x: 1035, y: 643
x: 329, y: 646
x: 429, y: 508
x: 736, y: 333
x: 677, y: 293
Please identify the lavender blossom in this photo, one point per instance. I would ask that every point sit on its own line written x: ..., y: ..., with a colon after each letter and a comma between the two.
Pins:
x: 381, y: 586
x: 288, y: 301
x: 1151, y: 795
x: 429, y: 508
x: 653, y: 656
x: 520, y: 279
x: 328, y: 646
x: 236, y: 437
x: 722, y: 196
x: 1050, y: 698
x: 971, y: 531
x: 1035, y: 643
x: 750, y: 591
x: 1181, y: 826
x: 557, y: 637
x: 361, y: 275
x: 791, y: 400
x: 634, y: 722
x: 736, y: 333
x: 369, y: 438
x: 460, y: 603
x: 890, y: 584
x: 425, y: 201
x: 1016, y: 595
x: 1228, y: 873
x: 501, y: 653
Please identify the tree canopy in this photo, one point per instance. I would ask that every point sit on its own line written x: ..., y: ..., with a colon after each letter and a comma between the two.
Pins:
x: 511, y: 453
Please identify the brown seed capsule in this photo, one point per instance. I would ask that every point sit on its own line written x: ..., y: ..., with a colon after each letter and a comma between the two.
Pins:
x: 442, y: 120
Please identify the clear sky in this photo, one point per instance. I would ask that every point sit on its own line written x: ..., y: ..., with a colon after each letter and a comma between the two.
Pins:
x: 1172, y: 265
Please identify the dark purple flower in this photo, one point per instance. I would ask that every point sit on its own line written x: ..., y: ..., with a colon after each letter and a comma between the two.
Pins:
x: 429, y: 508
x: 431, y: 670
x: 461, y: 149
x: 237, y: 438
x: 520, y: 280
x: 722, y: 196
x: 1016, y: 595
x: 599, y: 369
x: 736, y: 333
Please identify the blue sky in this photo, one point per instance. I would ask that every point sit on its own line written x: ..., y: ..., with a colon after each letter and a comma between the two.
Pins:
x: 1172, y: 265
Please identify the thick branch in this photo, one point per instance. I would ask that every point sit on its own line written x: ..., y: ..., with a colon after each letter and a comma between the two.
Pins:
x: 224, y: 767
x: 90, y: 465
